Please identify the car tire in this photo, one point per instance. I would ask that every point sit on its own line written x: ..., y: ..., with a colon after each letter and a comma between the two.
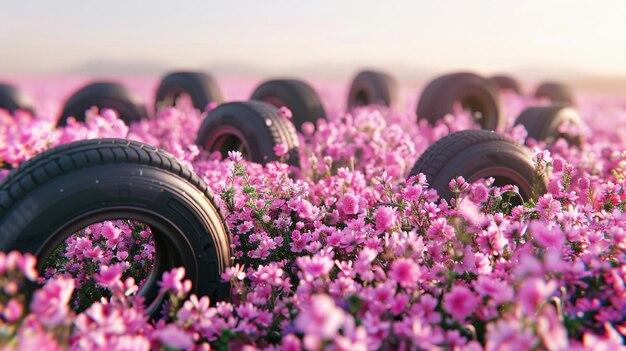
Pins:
x: 252, y: 127
x: 13, y: 99
x: 115, y: 96
x: 371, y: 87
x: 542, y: 123
x: 299, y: 97
x: 201, y: 88
x: 507, y: 83
x: 555, y: 92
x: 475, y: 93
x: 64, y: 189
x: 476, y: 154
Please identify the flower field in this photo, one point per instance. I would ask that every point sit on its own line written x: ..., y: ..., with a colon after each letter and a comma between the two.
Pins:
x: 345, y: 252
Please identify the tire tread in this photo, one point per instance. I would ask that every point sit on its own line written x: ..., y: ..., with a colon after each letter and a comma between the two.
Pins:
x: 66, y: 158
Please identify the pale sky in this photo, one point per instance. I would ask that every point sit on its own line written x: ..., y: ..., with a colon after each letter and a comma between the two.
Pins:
x: 50, y: 36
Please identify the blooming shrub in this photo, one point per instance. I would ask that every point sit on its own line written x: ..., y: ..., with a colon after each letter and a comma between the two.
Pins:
x: 350, y: 254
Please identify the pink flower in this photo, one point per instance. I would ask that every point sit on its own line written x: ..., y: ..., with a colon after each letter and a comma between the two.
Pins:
x: 479, y: 193
x: 234, y: 272
x: 533, y: 292
x: 172, y: 336
x: 12, y: 311
x: 110, y: 231
x: 413, y: 192
x: 385, y: 217
x: 499, y: 291
x: 235, y: 156
x: 31, y: 336
x: 558, y: 165
x: 27, y: 265
x: 172, y: 280
x: 349, y: 204
x: 405, y: 272
x: 555, y: 187
x: 440, y: 227
x: 291, y: 343
x: 546, y: 236
x: 50, y: 303
x: 548, y: 207
x: 285, y: 112
x: 280, y: 149
x: 130, y: 343
x: 109, y: 275
x: 458, y: 184
x: 320, y: 318
x: 612, y: 340
x: 460, y: 302
x: 247, y: 311
x: 308, y: 128
x: 314, y: 267
x: 584, y: 183
x: 399, y: 304
x: 504, y: 335
x: 470, y: 211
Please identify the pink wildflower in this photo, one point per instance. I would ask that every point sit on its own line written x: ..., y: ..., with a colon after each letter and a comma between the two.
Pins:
x: 546, y: 236
x: 558, y: 165
x: 460, y: 302
x: 548, y: 207
x: 405, y: 272
x: 315, y: 266
x: 291, y: 343
x: 280, y: 149
x: 50, y: 303
x: 533, y: 292
x: 27, y: 265
x: 285, y: 112
x: 349, y: 204
x: 308, y: 128
x: 499, y: 291
x: 31, y: 336
x: 507, y: 335
x: 109, y: 274
x: 172, y: 336
x: 172, y: 280
x: 12, y: 311
x: 385, y: 217
x: 235, y: 156
x: 612, y: 340
x: 320, y: 318
x: 479, y: 193
x: 234, y: 272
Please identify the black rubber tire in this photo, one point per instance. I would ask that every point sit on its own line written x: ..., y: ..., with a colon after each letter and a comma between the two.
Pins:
x: 13, y: 99
x: 68, y: 187
x: 115, y: 96
x: 298, y: 96
x: 200, y: 86
x: 507, y: 83
x: 555, y: 92
x: 372, y: 87
x: 476, y: 154
x: 252, y: 127
x: 474, y: 92
x: 542, y: 123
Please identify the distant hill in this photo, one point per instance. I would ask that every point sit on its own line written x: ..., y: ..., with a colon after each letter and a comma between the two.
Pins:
x: 100, y: 67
